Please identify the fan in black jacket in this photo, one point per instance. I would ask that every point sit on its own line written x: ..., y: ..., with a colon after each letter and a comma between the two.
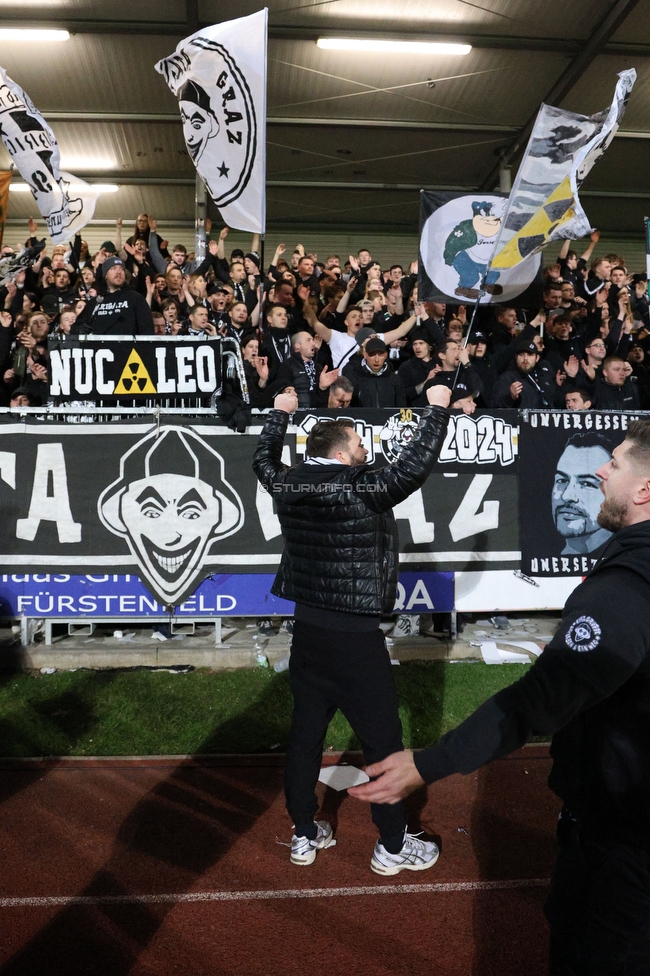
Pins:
x: 590, y: 690
x: 417, y: 370
x: 456, y: 372
x: 310, y: 380
x: 530, y: 385
x: 375, y: 383
x: 120, y: 311
x: 340, y: 566
x: 614, y: 390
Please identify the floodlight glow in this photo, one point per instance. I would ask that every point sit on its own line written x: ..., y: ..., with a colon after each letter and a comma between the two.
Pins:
x: 32, y: 34
x: 99, y: 187
x: 72, y: 164
x: 391, y: 47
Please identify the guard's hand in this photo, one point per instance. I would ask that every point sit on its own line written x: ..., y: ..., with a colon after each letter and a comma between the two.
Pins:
x: 439, y: 396
x: 286, y: 401
x: 397, y: 777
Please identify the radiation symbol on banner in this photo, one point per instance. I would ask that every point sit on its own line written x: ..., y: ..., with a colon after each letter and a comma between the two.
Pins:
x: 135, y: 377
x: 537, y: 230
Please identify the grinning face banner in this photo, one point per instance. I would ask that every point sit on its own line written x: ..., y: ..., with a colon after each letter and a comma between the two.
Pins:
x: 170, y: 503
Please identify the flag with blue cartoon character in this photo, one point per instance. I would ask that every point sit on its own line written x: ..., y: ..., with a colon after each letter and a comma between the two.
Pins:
x: 457, y: 241
x: 469, y: 248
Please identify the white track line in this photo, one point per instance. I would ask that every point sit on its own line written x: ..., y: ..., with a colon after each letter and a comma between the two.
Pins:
x: 198, y: 896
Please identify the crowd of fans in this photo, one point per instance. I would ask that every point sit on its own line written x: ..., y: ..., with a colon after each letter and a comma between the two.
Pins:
x: 339, y: 332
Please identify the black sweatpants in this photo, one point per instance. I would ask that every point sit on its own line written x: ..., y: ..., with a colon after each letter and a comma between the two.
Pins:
x: 599, y: 905
x: 332, y: 669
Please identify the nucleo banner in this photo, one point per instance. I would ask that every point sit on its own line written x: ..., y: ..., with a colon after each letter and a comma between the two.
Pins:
x: 144, y: 369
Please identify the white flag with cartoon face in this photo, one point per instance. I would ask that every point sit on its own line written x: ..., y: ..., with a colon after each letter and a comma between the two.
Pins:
x: 219, y: 77
x: 66, y: 203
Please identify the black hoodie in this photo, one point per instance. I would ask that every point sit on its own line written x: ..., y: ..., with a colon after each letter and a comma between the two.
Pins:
x: 590, y: 688
x: 120, y: 312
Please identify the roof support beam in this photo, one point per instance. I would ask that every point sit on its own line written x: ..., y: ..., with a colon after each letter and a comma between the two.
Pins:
x: 135, y: 180
x: 179, y: 28
x: 163, y: 118
x: 174, y: 118
x: 599, y: 37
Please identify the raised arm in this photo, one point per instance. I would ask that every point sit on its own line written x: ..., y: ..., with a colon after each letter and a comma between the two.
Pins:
x: 395, y: 482
x: 221, y: 246
x: 564, y: 250
x: 322, y: 330
x: 267, y: 460
x: 400, y: 331
x: 256, y: 313
x: 118, y: 238
x: 345, y: 300
x: 595, y: 237
x: 157, y: 259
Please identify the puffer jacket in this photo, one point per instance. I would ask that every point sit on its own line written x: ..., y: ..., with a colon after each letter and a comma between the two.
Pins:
x: 341, y: 545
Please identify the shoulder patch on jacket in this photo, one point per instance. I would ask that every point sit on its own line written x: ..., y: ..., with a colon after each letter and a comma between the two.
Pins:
x: 583, y: 635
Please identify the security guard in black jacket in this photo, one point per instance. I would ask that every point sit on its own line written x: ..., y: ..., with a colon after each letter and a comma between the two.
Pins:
x: 340, y: 566
x: 590, y: 688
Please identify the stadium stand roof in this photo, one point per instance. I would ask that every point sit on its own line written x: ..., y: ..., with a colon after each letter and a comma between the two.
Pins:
x: 352, y: 137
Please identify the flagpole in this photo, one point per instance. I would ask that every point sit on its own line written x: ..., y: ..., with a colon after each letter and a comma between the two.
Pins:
x: 646, y: 221
x: 200, y: 213
x: 481, y: 293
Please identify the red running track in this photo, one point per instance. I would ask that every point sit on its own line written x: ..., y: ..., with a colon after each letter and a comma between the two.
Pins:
x: 171, y: 867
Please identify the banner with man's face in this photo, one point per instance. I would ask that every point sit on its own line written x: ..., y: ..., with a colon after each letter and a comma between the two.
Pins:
x: 560, y: 495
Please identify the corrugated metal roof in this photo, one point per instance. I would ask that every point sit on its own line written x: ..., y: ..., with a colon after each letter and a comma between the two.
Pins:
x: 521, y: 49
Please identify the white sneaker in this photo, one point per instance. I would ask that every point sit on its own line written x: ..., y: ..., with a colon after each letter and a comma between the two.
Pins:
x: 303, y: 850
x: 406, y: 625
x: 415, y: 855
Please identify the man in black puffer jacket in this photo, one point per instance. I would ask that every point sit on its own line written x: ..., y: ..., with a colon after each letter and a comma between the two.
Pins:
x: 340, y: 566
